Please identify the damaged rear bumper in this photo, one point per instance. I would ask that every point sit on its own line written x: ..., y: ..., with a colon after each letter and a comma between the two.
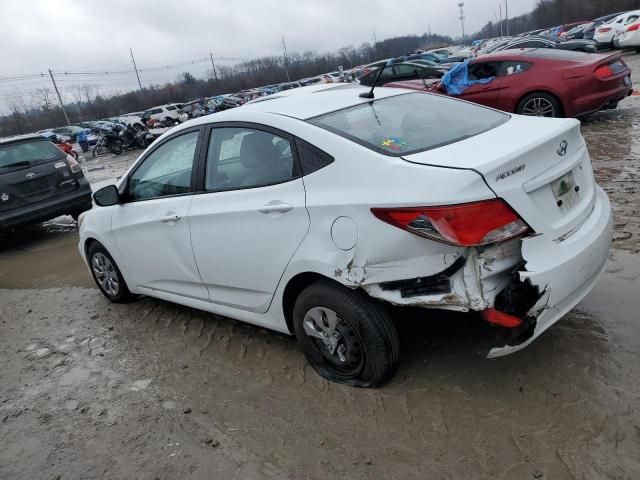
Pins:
x: 537, y: 279
x: 564, y: 271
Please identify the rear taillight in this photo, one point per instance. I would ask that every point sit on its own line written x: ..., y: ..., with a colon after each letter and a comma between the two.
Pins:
x: 604, y: 29
x: 604, y: 71
x: 633, y: 28
x: 467, y: 224
x: 73, y: 164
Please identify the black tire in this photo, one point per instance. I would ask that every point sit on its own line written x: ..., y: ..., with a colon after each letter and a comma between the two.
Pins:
x: 526, y: 106
x: 368, y: 336
x: 115, y: 148
x: 97, y: 150
x: 74, y: 154
x: 123, y: 295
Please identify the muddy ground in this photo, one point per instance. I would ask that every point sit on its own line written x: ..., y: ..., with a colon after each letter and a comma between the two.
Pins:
x: 153, y: 390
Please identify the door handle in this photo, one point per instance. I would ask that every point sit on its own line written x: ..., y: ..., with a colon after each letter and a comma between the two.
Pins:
x: 276, y: 208
x: 172, y: 217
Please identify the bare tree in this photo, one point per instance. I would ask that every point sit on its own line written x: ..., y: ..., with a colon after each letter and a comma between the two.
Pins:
x: 16, y: 105
x: 42, y: 98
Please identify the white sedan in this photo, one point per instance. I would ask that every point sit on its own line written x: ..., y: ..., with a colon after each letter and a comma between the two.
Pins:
x: 307, y: 213
x: 607, y: 32
x: 630, y: 38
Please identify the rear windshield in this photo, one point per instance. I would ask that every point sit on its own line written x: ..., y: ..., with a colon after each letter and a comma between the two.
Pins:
x: 410, y: 123
x: 32, y: 152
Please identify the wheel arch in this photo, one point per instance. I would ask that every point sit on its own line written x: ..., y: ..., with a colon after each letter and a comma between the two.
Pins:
x: 294, y: 287
x: 87, y: 245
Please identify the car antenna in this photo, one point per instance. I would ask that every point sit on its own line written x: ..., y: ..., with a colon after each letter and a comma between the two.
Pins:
x: 369, y: 94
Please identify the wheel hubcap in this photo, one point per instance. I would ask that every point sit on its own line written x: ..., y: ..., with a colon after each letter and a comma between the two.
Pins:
x: 334, y: 337
x: 538, y: 107
x: 106, y: 274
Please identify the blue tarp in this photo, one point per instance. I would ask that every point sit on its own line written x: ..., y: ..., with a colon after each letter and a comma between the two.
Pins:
x: 456, y: 80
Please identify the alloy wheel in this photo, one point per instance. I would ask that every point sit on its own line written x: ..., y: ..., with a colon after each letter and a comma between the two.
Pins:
x: 538, y: 107
x: 106, y: 274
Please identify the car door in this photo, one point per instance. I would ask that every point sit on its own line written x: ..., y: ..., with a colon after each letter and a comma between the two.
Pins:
x: 151, y: 225
x: 513, y: 83
x: 483, y: 93
x: 251, y: 218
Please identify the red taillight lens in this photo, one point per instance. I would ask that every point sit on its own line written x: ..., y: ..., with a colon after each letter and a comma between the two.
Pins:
x: 467, y: 224
x: 603, y: 72
x: 496, y: 317
x: 604, y: 29
x: 633, y: 28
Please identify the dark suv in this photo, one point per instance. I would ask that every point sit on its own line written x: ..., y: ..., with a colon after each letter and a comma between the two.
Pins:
x: 38, y: 181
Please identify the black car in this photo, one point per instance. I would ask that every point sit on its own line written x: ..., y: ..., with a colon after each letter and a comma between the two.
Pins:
x: 404, y: 71
x: 38, y: 181
x: 588, y: 46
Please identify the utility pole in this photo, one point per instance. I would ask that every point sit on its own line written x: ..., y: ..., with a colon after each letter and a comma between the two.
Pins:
x: 501, y: 32
x: 213, y: 65
x: 506, y: 13
x: 136, y: 69
x: 495, y: 27
x: 286, y: 60
x: 59, y: 98
x: 461, y: 7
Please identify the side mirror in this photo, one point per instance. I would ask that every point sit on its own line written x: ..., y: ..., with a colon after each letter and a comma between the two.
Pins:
x: 107, y: 196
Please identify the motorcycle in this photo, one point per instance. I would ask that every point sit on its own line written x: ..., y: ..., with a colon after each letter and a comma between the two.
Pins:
x: 66, y: 147
x: 108, y: 140
x: 133, y: 138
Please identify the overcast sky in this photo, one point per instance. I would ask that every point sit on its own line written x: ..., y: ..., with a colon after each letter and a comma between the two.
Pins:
x: 96, y: 35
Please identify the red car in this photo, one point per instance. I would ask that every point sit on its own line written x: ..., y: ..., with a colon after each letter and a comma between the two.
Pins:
x: 543, y: 82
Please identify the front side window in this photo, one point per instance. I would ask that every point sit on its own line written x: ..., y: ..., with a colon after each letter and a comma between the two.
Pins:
x: 410, y: 123
x: 245, y: 158
x: 171, y: 108
x: 166, y: 171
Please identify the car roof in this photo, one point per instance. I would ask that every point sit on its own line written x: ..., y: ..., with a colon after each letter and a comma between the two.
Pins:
x: 538, y: 53
x: 20, y: 138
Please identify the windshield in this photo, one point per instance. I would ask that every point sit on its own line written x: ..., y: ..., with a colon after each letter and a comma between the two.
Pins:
x: 410, y: 123
x: 28, y: 153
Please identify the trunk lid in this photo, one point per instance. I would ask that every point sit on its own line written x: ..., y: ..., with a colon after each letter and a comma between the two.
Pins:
x: 539, y: 166
x: 26, y: 180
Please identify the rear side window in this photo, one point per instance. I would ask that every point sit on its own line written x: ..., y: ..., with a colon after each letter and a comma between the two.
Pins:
x: 247, y: 158
x: 171, y: 108
x: 34, y: 152
x: 312, y: 158
x: 513, y: 68
x: 410, y: 123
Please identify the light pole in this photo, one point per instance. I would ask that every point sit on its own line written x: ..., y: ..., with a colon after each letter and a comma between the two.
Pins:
x: 461, y: 7
x: 506, y: 14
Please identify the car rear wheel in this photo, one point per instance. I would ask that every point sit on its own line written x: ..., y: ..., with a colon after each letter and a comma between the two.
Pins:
x: 539, y: 104
x: 346, y: 336
x: 107, y: 275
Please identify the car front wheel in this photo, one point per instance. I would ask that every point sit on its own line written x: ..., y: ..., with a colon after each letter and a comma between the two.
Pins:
x: 346, y: 336
x: 107, y: 275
